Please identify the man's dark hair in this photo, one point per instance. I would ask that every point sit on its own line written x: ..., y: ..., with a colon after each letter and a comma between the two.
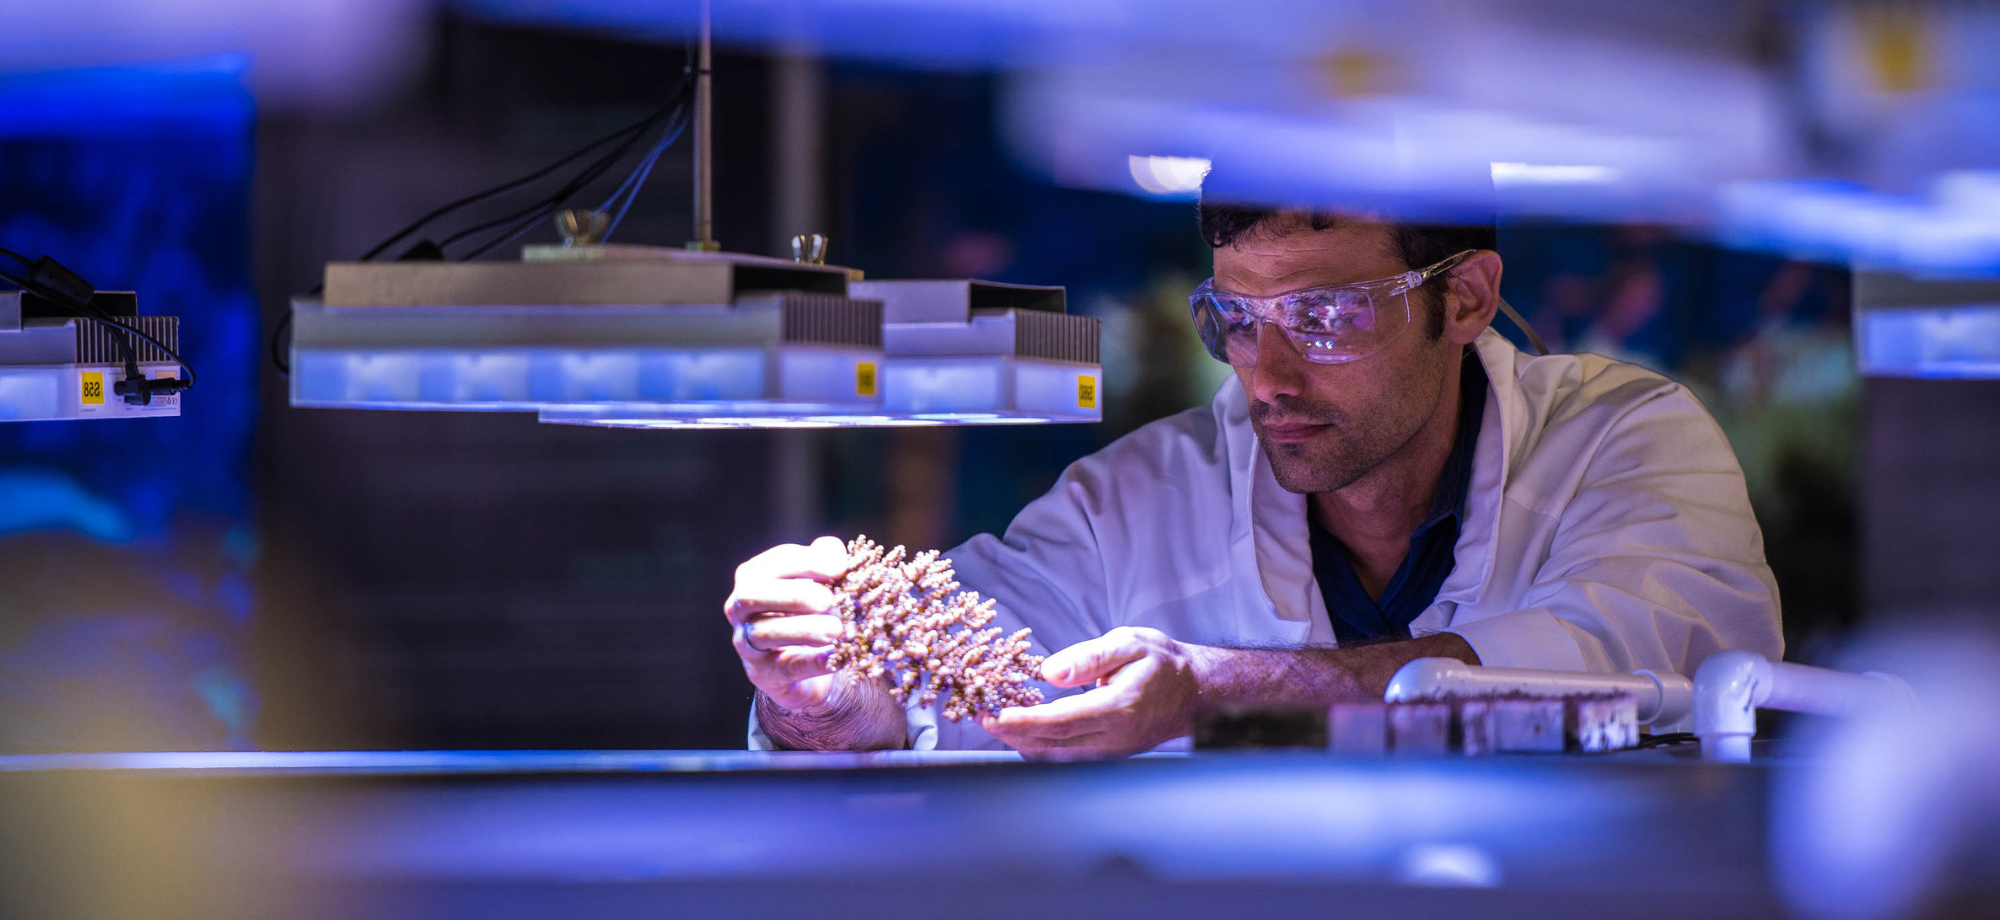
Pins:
x: 1417, y: 245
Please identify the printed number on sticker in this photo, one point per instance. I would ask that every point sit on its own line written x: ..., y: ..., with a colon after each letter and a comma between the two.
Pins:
x: 864, y: 378
x: 1086, y: 392
x: 93, y: 388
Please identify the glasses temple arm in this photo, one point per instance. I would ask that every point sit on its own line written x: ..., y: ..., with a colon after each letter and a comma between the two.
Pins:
x: 1534, y: 339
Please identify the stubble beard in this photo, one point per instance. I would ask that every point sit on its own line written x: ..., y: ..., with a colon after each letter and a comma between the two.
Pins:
x: 1335, y: 457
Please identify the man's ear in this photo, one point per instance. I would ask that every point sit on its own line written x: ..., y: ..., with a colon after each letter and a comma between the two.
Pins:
x: 1472, y: 296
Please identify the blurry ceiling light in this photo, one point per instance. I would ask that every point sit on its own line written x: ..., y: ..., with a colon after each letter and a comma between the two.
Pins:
x: 1170, y: 176
x: 1449, y: 865
x: 1975, y: 191
x: 1538, y: 174
x: 1953, y: 235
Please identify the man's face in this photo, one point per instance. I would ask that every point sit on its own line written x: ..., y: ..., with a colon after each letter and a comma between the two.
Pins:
x: 1324, y: 426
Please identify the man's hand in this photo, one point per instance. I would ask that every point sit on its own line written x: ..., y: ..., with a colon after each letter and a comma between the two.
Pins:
x: 1148, y: 686
x: 783, y: 633
x: 1145, y: 694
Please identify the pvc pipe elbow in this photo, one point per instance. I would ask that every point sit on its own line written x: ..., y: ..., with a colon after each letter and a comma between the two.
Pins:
x: 1727, y: 690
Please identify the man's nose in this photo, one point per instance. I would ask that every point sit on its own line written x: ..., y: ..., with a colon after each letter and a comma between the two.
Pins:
x: 1280, y: 369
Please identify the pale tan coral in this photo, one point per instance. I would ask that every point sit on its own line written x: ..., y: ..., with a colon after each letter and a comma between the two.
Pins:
x: 906, y: 623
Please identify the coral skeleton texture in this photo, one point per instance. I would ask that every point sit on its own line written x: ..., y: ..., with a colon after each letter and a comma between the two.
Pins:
x: 899, y: 612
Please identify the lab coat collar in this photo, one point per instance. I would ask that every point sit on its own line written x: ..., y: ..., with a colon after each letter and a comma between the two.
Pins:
x: 1500, y: 441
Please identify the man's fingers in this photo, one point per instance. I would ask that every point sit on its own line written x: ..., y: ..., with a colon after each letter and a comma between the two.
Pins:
x: 769, y: 634
x: 1091, y: 659
x: 755, y: 599
x: 791, y: 665
x: 825, y: 560
x: 1068, y: 717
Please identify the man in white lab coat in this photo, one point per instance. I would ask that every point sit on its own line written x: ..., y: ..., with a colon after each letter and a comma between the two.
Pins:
x: 1385, y: 479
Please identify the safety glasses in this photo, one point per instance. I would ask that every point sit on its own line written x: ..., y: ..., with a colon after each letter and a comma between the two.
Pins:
x: 1327, y: 325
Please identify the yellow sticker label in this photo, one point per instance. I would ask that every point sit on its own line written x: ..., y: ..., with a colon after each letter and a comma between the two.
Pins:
x: 1086, y: 392
x: 864, y: 378
x: 93, y: 388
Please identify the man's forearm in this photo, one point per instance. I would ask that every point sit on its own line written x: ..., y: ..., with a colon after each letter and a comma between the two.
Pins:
x: 861, y: 716
x: 1313, y: 677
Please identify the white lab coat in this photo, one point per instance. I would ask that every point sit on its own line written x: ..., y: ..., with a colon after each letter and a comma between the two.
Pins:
x: 1607, y: 528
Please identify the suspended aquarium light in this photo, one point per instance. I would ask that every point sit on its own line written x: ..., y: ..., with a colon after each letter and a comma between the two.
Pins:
x: 1911, y: 326
x: 590, y: 327
x: 955, y: 353
x: 590, y: 333
x: 978, y: 351
x: 61, y: 367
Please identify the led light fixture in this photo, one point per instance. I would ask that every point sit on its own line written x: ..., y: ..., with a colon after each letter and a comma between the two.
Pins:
x: 1909, y: 326
x: 591, y: 328
x: 956, y: 353
x: 981, y: 352
x: 591, y: 333
x: 66, y: 367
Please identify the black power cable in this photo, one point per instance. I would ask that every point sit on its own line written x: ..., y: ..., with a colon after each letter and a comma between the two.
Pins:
x: 278, y: 361
x: 625, y: 138
x: 527, y: 218
x: 590, y: 174
x: 636, y: 128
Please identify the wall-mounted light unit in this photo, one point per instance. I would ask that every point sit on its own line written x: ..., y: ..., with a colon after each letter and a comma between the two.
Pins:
x: 55, y: 366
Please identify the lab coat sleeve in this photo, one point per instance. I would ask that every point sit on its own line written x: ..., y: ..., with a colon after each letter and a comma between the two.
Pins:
x: 1655, y: 562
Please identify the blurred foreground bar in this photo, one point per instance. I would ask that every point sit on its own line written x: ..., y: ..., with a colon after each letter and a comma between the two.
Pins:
x: 738, y: 834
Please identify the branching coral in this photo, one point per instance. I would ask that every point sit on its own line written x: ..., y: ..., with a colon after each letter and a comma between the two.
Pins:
x: 904, y: 624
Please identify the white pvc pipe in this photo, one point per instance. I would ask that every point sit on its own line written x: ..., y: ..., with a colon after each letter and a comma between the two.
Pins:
x: 1731, y: 686
x: 1663, y: 698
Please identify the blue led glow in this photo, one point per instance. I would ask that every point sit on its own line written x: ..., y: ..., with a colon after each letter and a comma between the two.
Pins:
x: 1958, y: 342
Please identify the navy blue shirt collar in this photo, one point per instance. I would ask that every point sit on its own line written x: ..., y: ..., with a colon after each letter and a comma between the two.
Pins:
x: 1432, y: 555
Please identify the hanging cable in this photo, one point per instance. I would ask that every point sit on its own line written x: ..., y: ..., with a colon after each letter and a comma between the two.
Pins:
x: 527, y: 218
x: 636, y: 128
x: 621, y: 141
x: 534, y: 212
x: 639, y: 177
x: 51, y: 281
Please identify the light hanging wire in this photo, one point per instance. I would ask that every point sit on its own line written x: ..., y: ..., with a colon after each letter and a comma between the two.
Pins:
x: 637, y: 180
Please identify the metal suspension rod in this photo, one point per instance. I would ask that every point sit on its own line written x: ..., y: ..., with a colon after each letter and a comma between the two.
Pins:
x: 704, y: 160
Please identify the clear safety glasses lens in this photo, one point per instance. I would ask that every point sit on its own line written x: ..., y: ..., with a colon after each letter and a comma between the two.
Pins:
x: 1325, y: 326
